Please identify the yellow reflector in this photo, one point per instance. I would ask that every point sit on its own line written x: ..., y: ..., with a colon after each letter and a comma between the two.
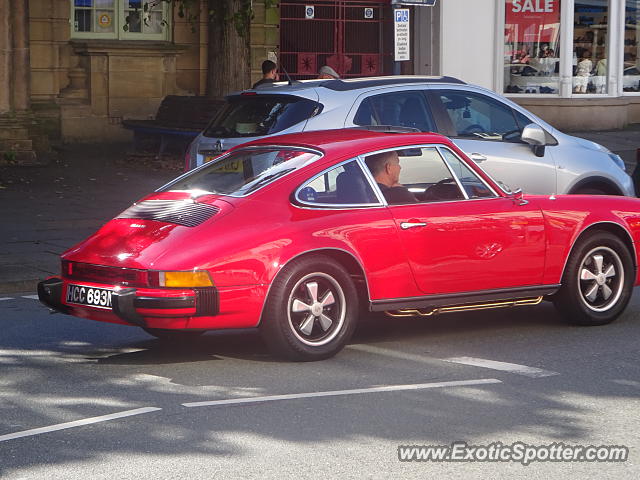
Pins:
x: 185, y: 279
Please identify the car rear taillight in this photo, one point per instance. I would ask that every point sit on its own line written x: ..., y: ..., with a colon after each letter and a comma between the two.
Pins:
x: 86, y: 272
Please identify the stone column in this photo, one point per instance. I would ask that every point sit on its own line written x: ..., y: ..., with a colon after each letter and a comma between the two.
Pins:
x: 5, y: 57
x: 21, y: 74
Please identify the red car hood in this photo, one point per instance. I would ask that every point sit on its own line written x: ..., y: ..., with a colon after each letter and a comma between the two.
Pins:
x: 146, y: 232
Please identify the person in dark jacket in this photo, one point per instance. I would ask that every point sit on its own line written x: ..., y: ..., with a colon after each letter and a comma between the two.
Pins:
x: 385, y: 168
x: 269, y: 73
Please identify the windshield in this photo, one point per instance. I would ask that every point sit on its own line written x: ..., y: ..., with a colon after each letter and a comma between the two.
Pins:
x: 243, y: 171
x: 258, y: 115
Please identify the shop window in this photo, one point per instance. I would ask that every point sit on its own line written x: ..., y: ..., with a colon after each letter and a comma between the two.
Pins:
x: 532, y: 46
x: 119, y: 19
x: 590, y: 46
x: 631, y: 68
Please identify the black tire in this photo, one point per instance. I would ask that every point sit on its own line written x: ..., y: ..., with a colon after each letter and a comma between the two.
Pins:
x: 173, y: 335
x: 311, y: 311
x: 598, y: 280
x: 590, y: 191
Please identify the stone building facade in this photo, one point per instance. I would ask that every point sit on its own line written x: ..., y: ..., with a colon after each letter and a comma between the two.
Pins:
x: 69, y: 71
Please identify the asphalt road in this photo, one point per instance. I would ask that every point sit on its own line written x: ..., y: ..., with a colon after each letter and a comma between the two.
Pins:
x: 81, y: 399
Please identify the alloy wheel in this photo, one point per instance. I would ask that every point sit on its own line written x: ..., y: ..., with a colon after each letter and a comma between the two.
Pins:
x: 316, y: 309
x: 601, y: 279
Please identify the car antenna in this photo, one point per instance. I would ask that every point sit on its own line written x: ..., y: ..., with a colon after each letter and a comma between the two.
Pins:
x: 287, y: 74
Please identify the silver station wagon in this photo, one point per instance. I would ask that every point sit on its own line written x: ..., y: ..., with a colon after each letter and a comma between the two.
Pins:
x: 514, y: 146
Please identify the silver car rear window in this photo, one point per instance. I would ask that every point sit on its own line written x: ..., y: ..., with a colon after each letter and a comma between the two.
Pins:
x: 252, y: 115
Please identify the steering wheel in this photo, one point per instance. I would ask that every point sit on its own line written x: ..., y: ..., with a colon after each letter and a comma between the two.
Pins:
x: 471, y: 129
x: 434, y: 193
x: 443, y: 181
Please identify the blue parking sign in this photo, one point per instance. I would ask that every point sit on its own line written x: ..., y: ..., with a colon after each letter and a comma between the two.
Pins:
x: 402, y: 15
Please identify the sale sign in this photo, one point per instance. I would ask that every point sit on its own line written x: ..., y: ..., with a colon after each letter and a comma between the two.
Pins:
x: 532, y: 21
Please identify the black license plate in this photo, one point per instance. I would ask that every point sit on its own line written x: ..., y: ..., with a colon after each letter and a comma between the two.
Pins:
x: 90, y: 296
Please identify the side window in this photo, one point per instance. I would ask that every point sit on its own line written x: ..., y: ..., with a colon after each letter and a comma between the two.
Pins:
x: 479, y: 116
x: 400, y: 109
x: 413, y: 175
x: 473, y: 185
x: 342, y: 185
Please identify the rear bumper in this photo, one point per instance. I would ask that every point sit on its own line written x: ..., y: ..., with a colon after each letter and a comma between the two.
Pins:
x: 132, y: 306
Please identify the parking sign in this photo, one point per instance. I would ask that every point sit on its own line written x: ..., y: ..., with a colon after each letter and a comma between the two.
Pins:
x: 401, y: 34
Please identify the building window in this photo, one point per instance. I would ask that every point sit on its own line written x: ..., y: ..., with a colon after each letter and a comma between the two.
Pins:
x: 119, y: 19
x: 532, y: 47
x: 590, y: 46
x: 631, y: 69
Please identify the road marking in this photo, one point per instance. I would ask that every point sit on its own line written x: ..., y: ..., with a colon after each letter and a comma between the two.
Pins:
x: 31, y: 297
x: 335, y: 393
x: 394, y: 353
x: 505, y: 367
x: 6, y: 298
x: 77, y: 423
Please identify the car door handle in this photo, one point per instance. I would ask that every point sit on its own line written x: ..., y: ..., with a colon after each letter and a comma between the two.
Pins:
x: 408, y: 225
x: 477, y: 157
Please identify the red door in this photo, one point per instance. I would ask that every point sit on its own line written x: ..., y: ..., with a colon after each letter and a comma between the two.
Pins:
x: 472, y: 245
x: 354, y: 37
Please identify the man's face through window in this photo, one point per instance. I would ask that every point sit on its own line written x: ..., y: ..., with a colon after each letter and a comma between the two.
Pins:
x: 393, y: 163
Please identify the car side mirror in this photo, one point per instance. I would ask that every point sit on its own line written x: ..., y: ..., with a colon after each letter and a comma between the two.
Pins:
x: 518, y: 197
x: 535, y: 136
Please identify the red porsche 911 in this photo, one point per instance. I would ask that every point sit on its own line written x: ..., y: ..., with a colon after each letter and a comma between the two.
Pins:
x: 299, y: 235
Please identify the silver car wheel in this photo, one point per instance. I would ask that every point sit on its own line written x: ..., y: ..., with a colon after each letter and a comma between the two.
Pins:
x: 316, y: 309
x: 600, y: 279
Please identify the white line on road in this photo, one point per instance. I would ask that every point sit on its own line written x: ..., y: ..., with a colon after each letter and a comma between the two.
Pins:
x: 31, y: 297
x: 505, y: 367
x: 335, y: 393
x: 6, y: 298
x: 394, y: 353
x: 77, y: 423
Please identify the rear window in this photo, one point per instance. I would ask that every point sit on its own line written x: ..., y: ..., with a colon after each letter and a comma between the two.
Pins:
x: 258, y: 115
x: 244, y: 171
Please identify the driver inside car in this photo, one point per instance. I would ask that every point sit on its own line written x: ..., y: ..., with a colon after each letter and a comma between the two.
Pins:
x: 385, y: 168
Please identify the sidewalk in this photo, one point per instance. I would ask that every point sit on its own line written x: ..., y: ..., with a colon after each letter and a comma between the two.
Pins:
x: 45, y: 210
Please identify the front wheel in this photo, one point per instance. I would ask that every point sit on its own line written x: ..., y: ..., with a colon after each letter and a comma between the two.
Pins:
x: 311, y: 310
x: 597, y: 282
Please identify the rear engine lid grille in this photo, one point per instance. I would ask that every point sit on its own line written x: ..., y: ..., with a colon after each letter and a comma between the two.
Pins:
x: 181, y: 212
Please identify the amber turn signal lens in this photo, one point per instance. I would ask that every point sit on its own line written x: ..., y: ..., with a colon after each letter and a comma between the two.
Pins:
x: 185, y: 279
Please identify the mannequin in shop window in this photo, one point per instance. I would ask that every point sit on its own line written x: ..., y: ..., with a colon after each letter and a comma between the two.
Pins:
x: 583, y: 72
x: 600, y: 78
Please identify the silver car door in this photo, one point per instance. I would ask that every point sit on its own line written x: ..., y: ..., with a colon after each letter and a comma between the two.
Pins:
x: 488, y: 131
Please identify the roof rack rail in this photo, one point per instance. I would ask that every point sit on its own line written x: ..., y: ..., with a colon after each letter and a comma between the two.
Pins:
x: 357, y: 83
x: 387, y: 128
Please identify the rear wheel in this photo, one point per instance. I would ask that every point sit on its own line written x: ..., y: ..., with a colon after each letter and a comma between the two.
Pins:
x: 311, y: 311
x: 598, y: 280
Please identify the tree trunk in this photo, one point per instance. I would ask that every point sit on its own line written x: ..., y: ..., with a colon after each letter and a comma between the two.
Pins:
x: 229, y: 53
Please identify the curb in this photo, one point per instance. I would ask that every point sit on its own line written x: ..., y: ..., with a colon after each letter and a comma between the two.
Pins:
x: 19, y: 286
